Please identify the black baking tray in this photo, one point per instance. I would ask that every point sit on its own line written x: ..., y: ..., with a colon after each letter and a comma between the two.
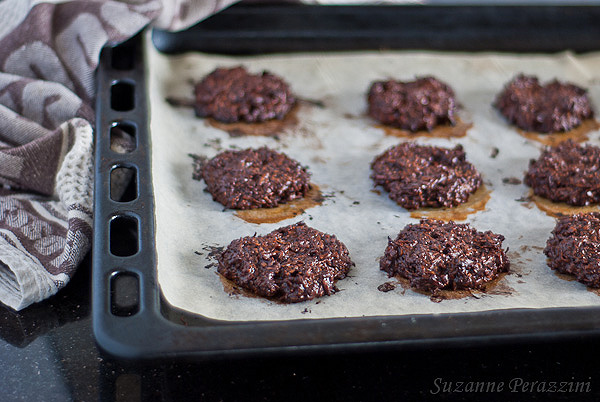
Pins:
x: 130, y: 317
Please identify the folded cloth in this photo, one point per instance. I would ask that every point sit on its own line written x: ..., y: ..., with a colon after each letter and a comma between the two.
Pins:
x: 48, y: 53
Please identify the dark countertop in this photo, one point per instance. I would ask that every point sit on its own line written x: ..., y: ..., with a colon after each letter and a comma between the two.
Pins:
x: 47, y: 352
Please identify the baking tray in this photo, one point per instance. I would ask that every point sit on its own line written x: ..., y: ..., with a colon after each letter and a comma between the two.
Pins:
x: 131, y: 319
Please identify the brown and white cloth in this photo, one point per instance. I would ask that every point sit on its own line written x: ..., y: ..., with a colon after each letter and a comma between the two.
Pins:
x: 48, y: 52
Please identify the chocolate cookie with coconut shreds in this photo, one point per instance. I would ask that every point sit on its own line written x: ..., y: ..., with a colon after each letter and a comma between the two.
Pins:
x: 419, y: 176
x: 435, y: 255
x: 232, y: 95
x: 553, y: 107
x: 574, y: 247
x: 416, y: 105
x: 291, y: 264
x: 253, y: 178
x: 567, y: 173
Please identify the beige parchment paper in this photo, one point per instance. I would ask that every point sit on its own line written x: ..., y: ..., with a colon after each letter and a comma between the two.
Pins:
x: 337, y: 143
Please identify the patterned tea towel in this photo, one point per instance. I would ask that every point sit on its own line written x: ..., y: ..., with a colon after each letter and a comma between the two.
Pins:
x: 48, y: 52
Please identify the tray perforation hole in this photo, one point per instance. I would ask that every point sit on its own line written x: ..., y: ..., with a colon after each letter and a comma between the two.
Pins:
x: 123, y: 183
x: 123, y: 137
x: 123, y: 57
x: 124, y: 236
x: 122, y: 96
x: 124, y: 294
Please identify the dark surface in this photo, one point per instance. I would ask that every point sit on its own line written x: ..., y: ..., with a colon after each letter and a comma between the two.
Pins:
x: 416, y: 105
x: 252, y: 178
x: 552, y: 107
x: 574, y: 247
x: 291, y: 264
x: 47, y: 352
x: 567, y: 173
x: 232, y: 95
x: 417, y: 176
x: 436, y: 255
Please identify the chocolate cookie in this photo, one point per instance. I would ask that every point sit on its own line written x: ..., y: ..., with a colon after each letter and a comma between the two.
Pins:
x: 435, y: 255
x: 416, y: 105
x: 574, y: 247
x: 424, y: 176
x: 553, y: 107
x: 233, y: 95
x: 253, y: 178
x: 567, y: 173
x: 291, y: 264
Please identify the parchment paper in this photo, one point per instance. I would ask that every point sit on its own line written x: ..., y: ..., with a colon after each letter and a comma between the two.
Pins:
x: 337, y: 143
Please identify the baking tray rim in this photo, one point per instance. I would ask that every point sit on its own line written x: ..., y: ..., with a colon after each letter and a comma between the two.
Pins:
x: 161, y: 330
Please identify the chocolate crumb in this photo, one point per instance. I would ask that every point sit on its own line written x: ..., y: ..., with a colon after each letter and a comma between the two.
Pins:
x: 511, y: 180
x: 313, y: 102
x: 494, y: 153
x: 386, y: 287
x: 198, y: 162
x: 180, y: 102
